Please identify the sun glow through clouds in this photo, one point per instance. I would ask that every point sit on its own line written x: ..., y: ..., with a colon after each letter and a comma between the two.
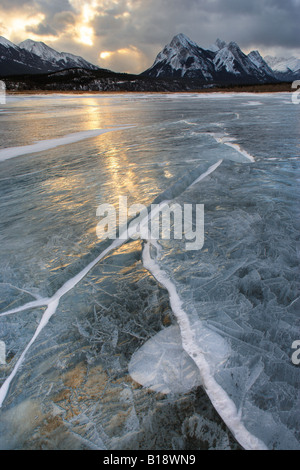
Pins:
x: 86, y: 35
x: 105, y: 55
x: 18, y: 27
x: 84, y: 32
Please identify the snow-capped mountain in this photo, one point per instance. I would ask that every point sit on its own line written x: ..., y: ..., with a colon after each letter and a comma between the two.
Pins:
x: 220, y: 63
x: 260, y: 63
x: 60, y: 60
x: 231, y: 61
x: 183, y: 58
x: 14, y: 60
x: 284, y: 69
x: 32, y: 57
x: 6, y: 43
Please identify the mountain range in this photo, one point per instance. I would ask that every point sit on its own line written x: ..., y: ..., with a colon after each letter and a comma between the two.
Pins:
x: 181, y: 61
x: 221, y: 63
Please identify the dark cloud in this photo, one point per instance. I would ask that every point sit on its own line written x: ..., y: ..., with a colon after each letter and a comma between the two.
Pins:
x: 15, y: 4
x: 150, y: 24
x: 266, y: 22
x: 42, y: 30
x: 64, y: 19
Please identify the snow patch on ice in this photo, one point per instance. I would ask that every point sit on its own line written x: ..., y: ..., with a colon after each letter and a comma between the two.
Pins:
x: 227, y: 140
x: 207, y: 173
x: 12, y: 152
x: 253, y: 103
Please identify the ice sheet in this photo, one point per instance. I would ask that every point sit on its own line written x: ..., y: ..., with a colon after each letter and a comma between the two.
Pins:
x: 12, y: 152
x: 239, y: 294
x: 206, y: 350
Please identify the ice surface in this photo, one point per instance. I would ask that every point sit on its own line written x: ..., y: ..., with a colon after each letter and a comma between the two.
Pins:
x: 52, y: 305
x: 209, y: 352
x: 8, y: 153
x: 236, y: 301
x: 244, y: 293
x: 227, y: 140
x: 163, y: 366
x: 84, y: 351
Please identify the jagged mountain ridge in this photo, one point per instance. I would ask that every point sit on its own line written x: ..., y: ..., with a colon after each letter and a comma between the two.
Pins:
x: 221, y: 63
x: 60, y: 60
x: 32, y: 57
x: 181, y: 60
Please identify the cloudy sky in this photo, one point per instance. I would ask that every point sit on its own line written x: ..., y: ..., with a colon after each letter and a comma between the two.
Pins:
x: 126, y: 35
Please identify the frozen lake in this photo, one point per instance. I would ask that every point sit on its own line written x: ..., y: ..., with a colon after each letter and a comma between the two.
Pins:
x: 136, y: 344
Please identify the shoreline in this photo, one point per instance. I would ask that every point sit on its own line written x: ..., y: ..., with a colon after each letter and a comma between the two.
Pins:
x: 254, y: 89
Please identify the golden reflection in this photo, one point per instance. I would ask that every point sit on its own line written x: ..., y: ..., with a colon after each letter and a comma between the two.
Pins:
x: 61, y: 191
x: 93, y: 113
x: 124, y: 179
x: 168, y: 174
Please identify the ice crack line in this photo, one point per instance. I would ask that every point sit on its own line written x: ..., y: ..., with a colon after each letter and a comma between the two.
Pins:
x: 217, y: 395
x: 53, y: 302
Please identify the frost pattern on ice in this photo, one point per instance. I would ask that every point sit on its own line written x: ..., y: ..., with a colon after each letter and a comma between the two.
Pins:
x: 243, y: 287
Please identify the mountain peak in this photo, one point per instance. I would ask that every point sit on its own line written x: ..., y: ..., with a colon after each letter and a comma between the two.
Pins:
x: 255, y: 53
x: 39, y: 48
x: 28, y: 42
x: 233, y: 46
x: 6, y: 43
x: 181, y: 58
x: 220, y: 44
x: 181, y: 40
x: 217, y: 46
x: 260, y: 63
